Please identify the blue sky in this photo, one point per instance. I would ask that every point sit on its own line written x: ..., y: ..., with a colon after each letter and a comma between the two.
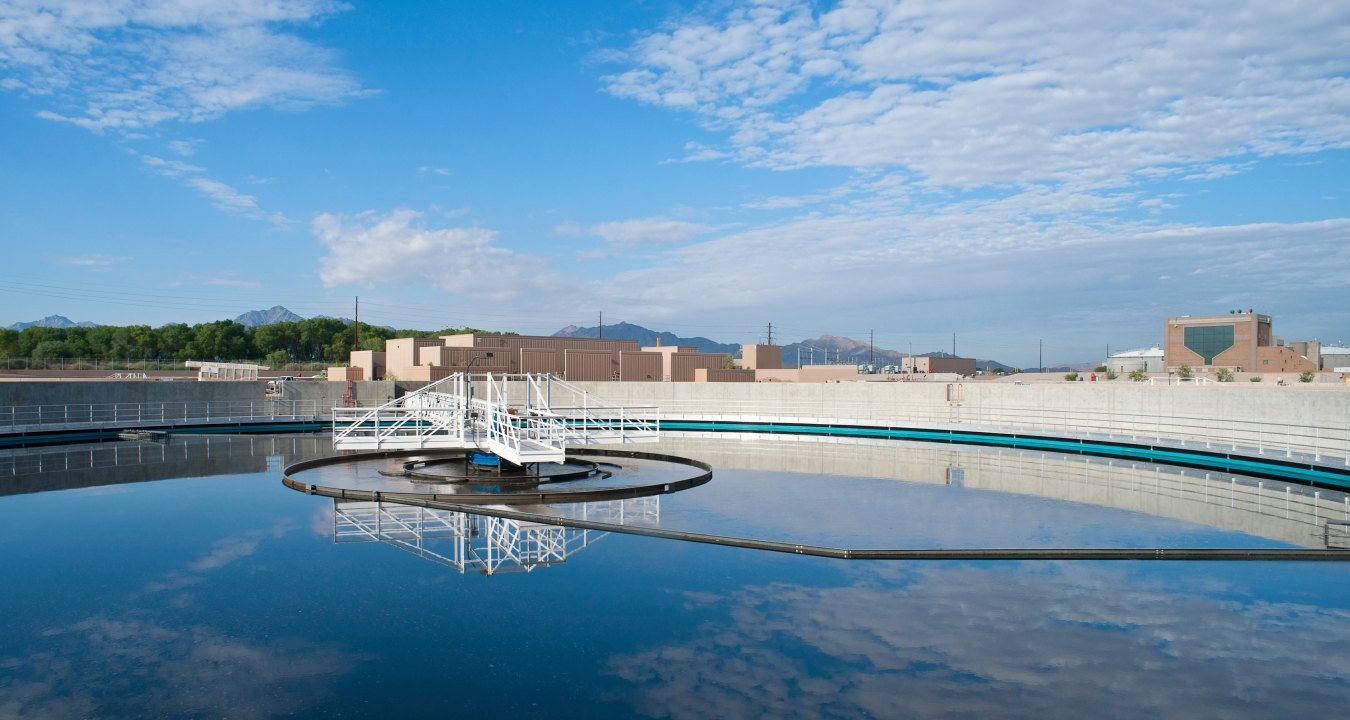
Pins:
x: 1072, y: 172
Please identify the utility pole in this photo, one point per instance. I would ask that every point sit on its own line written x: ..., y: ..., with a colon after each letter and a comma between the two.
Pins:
x: 870, y: 337
x: 356, y: 327
x: 953, y: 344
x: 770, y: 340
x: 1040, y: 356
x: 602, y: 324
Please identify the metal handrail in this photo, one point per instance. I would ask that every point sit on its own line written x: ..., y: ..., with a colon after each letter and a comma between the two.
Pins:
x: 16, y: 418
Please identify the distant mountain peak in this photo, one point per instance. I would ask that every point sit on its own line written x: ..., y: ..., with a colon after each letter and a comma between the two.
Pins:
x: 274, y: 314
x: 52, y: 321
x: 647, y: 337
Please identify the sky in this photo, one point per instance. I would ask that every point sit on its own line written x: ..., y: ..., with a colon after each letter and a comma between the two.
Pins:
x: 1063, y: 175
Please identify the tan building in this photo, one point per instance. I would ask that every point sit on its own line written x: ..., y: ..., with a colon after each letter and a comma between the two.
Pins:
x: 934, y: 365
x: 1243, y: 341
x: 761, y: 357
x: 585, y: 359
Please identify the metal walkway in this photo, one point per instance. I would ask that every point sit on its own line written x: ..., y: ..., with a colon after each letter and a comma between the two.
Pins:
x: 523, y: 418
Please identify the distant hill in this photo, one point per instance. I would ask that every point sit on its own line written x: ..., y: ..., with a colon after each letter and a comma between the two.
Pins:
x: 848, y: 350
x: 52, y: 321
x: 275, y: 314
x: 644, y: 336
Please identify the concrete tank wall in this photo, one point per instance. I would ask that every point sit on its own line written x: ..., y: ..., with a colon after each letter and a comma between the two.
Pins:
x: 141, y: 391
x: 1312, y: 418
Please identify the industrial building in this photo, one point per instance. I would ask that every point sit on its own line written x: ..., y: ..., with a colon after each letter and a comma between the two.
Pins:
x: 575, y: 359
x: 930, y: 365
x: 1148, y: 360
x: 1241, y: 340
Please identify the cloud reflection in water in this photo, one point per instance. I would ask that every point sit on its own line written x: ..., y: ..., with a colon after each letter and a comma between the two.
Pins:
x: 1004, y: 640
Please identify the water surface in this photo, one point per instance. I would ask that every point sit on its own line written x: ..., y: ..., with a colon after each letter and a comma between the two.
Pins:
x: 195, y: 584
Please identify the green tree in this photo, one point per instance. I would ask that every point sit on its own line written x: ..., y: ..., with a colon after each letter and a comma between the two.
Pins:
x: 49, y: 352
x: 174, y: 341
x: 277, y: 359
x: 9, y: 343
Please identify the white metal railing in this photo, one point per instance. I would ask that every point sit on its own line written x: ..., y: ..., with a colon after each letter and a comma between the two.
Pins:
x: 514, y: 415
x: 1321, y: 437
x: 18, y: 418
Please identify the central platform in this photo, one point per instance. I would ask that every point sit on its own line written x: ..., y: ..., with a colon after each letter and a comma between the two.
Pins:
x: 522, y: 418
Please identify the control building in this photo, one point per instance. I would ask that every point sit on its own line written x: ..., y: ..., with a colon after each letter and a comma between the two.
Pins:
x: 1242, y: 341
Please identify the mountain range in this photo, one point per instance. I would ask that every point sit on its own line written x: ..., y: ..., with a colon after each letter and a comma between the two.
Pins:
x: 645, y: 337
x: 274, y: 314
x: 51, y: 321
x: 826, y: 348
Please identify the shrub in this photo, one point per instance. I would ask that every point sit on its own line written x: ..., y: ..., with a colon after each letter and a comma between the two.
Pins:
x: 1099, y: 368
x: 1138, y: 375
x: 1306, y: 376
x: 1111, y: 374
x: 1071, y: 376
x: 1256, y: 378
x: 1184, y: 372
x: 1223, y: 375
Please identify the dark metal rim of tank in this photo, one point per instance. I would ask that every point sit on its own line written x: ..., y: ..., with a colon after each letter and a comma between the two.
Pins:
x: 476, y: 506
x: 995, y: 554
x: 505, y: 498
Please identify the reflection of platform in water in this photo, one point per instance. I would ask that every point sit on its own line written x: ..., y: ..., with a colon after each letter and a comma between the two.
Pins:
x: 489, y: 545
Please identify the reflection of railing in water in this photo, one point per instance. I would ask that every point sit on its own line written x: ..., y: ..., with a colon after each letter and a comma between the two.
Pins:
x: 64, y: 467
x: 1287, y: 512
x: 489, y: 545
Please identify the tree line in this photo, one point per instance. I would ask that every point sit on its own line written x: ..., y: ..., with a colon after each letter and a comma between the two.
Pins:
x: 312, y: 340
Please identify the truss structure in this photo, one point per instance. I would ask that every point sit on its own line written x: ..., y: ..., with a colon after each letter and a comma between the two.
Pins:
x: 524, y: 418
x: 485, y: 544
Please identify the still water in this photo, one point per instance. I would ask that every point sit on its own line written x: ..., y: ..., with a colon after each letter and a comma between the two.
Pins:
x: 142, y: 580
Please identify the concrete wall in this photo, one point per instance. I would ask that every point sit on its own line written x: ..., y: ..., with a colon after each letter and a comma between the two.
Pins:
x: 113, y: 391
x: 1309, y: 418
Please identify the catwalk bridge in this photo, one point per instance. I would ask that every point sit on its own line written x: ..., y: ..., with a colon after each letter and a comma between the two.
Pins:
x: 522, y: 418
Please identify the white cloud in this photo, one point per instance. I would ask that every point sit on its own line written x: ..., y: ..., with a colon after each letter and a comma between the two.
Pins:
x: 232, y: 201
x: 399, y: 247
x: 620, y: 235
x: 224, y: 197
x: 971, y: 94
x: 97, y: 260
x: 125, y: 65
x: 184, y: 148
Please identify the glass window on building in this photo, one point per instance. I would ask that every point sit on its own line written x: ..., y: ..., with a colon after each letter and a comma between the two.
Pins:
x: 1209, y: 341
